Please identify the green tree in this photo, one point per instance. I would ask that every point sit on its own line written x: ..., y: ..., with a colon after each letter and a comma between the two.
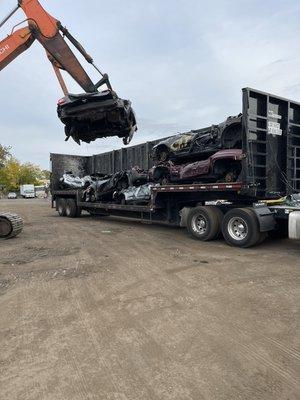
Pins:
x: 30, y: 174
x: 46, y: 174
x: 13, y: 173
x: 5, y: 154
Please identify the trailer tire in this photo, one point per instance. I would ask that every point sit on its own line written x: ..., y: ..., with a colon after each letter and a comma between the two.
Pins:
x: 61, y: 207
x: 204, y: 223
x: 240, y: 228
x: 71, y: 208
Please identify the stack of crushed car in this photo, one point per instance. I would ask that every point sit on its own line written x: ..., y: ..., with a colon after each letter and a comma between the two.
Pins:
x: 124, y: 187
x: 206, y: 155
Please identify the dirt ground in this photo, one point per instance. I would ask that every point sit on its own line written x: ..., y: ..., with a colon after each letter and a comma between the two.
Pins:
x: 95, y: 308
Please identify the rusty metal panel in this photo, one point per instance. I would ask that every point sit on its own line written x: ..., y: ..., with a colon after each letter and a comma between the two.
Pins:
x: 124, y: 158
x: 103, y: 163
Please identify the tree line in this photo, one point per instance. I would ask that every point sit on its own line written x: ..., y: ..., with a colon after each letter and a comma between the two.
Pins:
x: 13, y: 173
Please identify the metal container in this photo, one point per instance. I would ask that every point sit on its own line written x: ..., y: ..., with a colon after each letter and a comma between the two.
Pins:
x: 271, y: 143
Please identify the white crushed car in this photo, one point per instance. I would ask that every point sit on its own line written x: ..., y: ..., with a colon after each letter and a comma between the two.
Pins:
x: 135, y: 194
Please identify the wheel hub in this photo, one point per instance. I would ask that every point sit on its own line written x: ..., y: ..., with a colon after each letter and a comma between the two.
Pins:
x: 237, y: 228
x: 200, y: 224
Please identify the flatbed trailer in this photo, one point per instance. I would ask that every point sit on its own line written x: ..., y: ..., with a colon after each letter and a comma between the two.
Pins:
x: 205, y: 210
x: 242, y: 210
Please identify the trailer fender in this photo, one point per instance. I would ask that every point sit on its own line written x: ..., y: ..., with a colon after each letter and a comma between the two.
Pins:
x: 294, y: 225
x: 184, y: 216
x: 266, y: 219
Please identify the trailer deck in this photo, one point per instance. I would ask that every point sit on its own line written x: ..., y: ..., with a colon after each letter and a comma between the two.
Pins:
x: 221, y: 191
x: 270, y: 170
x: 204, y: 209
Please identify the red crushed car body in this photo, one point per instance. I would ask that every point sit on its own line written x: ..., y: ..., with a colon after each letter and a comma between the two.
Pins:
x: 204, y: 168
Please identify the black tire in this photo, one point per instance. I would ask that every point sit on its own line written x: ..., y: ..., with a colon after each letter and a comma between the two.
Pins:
x: 61, y: 207
x: 204, y: 223
x: 11, y: 225
x: 5, y: 228
x: 162, y: 154
x: 161, y: 173
x: 71, y: 209
x: 240, y: 228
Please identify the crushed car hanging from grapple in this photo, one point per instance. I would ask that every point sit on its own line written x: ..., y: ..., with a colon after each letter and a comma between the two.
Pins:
x: 98, y: 112
x: 91, y: 116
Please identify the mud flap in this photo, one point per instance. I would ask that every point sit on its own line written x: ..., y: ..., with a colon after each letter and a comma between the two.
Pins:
x: 294, y: 225
x: 184, y: 215
x: 266, y: 219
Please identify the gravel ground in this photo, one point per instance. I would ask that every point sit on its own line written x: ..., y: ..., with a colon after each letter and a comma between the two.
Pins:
x: 96, y: 308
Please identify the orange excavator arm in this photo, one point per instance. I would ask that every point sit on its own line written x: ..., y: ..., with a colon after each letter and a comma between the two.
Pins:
x: 14, y: 45
x: 50, y: 33
x: 87, y: 116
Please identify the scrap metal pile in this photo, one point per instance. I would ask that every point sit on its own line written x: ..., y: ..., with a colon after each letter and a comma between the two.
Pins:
x: 90, y: 116
x: 206, y: 155
x: 124, y: 187
x: 201, y: 143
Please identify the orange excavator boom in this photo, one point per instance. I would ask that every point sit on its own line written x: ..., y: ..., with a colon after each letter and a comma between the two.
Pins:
x: 14, y: 45
x: 50, y: 33
x: 88, y: 116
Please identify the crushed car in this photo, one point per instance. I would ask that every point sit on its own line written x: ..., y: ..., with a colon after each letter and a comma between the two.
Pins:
x: 224, y: 165
x: 105, y: 189
x: 200, y: 143
x: 137, y: 176
x: 71, y: 181
x: 135, y: 194
x: 90, y: 116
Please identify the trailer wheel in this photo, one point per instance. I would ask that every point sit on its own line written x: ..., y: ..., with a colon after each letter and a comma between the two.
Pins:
x: 204, y: 223
x: 72, y: 209
x: 61, y: 207
x: 240, y: 228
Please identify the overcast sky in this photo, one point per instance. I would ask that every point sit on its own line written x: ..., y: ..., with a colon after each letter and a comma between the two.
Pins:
x: 182, y: 63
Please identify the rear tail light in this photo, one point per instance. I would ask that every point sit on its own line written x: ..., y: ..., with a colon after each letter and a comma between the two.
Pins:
x: 61, y: 101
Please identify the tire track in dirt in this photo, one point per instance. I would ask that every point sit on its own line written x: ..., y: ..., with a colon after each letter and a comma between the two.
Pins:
x: 250, y: 350
x: 142, y: 303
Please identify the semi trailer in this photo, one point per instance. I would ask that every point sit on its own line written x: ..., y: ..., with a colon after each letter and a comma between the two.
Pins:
x: 263, y: 201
